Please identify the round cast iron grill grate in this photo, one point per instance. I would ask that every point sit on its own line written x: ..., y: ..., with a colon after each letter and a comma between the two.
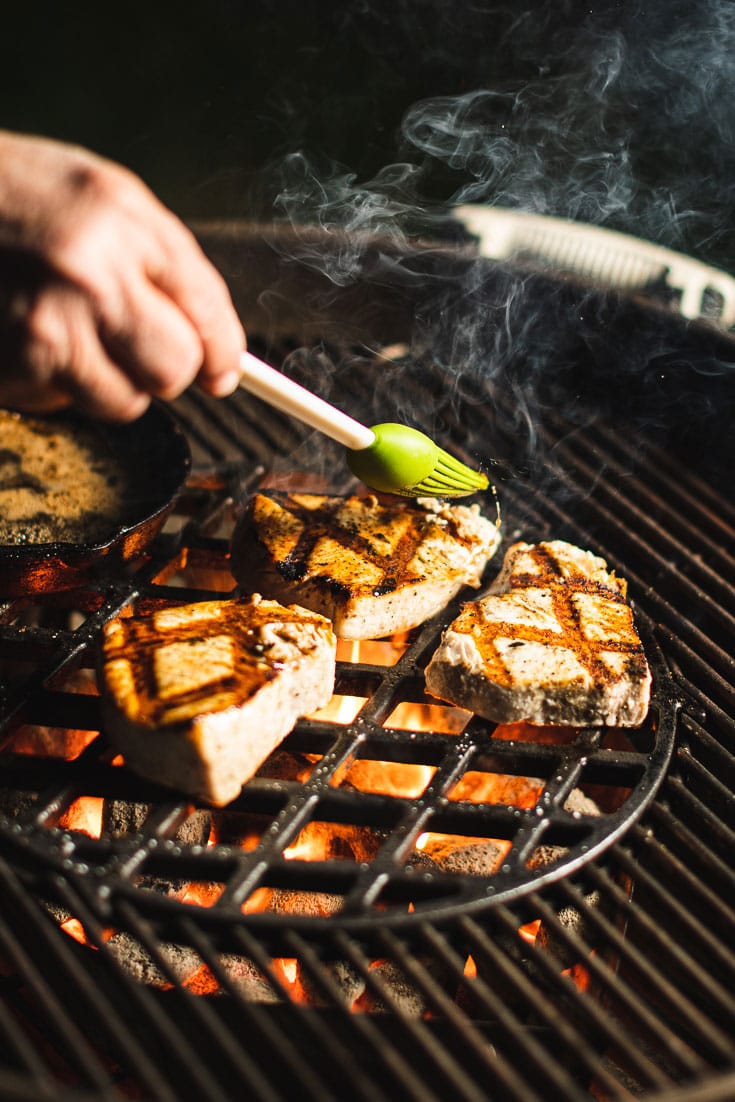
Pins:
x: 394, y: 882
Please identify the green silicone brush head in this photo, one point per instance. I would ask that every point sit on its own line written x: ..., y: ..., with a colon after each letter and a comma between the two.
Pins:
x: 404, y: 461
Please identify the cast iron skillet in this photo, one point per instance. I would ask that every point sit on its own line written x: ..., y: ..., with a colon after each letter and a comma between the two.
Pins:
x: 155, y: 452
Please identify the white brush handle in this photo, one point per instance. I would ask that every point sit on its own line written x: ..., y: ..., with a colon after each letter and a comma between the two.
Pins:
x: 278, y: 390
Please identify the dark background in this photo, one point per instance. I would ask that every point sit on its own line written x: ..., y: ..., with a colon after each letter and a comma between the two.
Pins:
x: 620, y: 114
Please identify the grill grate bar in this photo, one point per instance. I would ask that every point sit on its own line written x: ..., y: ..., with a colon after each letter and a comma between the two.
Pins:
x: 710, y: 789
x: 674, y: 477
x: 242, y: 428
x: 690, y: 510
x: 720, y: 1089
x: 655, y: 473
x: 411, y: 824
x: 249, y: 1070
x: 709, y: 687
x: 451, y: 967
x: 55, y: 948
x: 250, y: 867
x: 649, y: 980
x: 697, y: 942
x: 508, y: 981
x: 593, y: 1015
x: 169, y: 1032
x: 542, y: 1011
x: 633, y: 516
x: 19, y: 1048
x: 414, y: 1034
x: 621, y: 1000
x: 202, y: 1074
x: 168, y: 1036
x: 358, y: 1032
x: 710, y: 880
x: 708, y: 749
x: 690, y: 809
x: 716, y: 511
x: 219, y: 436
x: 319, y: 1033
x: 644, y: 516
x: 405, y: 1071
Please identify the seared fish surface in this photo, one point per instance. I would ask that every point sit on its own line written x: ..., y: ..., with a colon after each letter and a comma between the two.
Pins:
x: 554, y: 642
x: 197, y: 696
x: 372, y: 569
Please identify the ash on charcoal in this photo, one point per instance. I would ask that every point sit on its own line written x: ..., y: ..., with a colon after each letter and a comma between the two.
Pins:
x: 58, y: 911
x: 124, y: 817
x: 476, y: 858
x: 247, y: 979
x: 398, y: 993
x: 181, y: 962
x: 120, y: 817
x: 308, y: 904
x: 344, y: 978
x: 571, y: 918
x: 14, y: 803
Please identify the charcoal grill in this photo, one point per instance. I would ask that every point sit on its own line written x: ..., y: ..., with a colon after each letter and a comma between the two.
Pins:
x: 602, y: 973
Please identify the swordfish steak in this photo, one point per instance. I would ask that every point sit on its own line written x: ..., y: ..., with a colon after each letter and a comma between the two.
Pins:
x: 373, y: 569
x: 553, y: 642
x: 197, y: 696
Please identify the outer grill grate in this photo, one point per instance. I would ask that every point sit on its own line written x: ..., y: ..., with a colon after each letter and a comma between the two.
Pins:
x: 631, y: 999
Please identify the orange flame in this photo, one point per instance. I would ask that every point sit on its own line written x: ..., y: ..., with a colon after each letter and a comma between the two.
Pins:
x: 325, y: 841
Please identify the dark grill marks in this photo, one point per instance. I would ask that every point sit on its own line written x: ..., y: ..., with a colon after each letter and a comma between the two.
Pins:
x: 315, y: 522
x: 567, y: 614
x: 323, y: 523
x: 253, y: 667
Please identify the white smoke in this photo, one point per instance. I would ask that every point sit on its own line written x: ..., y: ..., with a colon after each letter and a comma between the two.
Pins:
x: 619, y: 116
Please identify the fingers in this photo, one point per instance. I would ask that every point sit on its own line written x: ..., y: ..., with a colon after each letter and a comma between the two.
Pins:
x: 192, y: 283
x: 164, y: 313
x: 169, y: 333
x: 152, y: 341
x: 61, y: 360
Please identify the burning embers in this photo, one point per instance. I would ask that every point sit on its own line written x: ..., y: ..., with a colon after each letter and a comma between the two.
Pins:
x: 426, y: 817
x: 382, y: 808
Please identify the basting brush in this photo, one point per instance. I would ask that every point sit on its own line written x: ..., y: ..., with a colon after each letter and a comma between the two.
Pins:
x: 392, y: 458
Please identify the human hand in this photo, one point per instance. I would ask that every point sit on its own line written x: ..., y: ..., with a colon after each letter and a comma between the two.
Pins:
x: 106, y: 298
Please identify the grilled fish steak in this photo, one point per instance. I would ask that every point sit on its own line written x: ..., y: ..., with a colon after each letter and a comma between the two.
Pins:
x: 197, y: 696
x: 553, y: 642
x: 372, y: 569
